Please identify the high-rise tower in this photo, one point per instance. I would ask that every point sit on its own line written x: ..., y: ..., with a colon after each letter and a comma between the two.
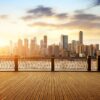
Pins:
x: 45, y: 41
x: 64, y: 41
x: 81, y: 37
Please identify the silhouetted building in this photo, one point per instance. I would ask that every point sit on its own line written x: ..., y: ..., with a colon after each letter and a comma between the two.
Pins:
x: 20, y: 48
x: 41, y: 44
x: 91, y: 50
x: 50, y: 50
x: 45, y: 46
x: 42, y: 47
x: 81, y: 37
x: 11, y: 48
x: 32, y: 47
x: 26, y: 49
x: 45, y: 41
x: 55, y: 50
x: 98, y: 53
x: 64, y: 42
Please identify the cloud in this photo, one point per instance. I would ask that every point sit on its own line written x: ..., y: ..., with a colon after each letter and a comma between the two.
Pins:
x: 28, y: 17
x: 86, y: 17
x: 97, y: 3
x: 83, y: 25
x: 62, y: 15
x: 93, y: 3
x: 42, y: 11
x: 44, y: 24
x: 3, y: 16
x: 76, y: 21
x: 70, y: 25
x: 79, y: 21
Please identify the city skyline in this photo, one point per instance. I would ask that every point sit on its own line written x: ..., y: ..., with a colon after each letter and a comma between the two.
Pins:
x: 50, y: 42
x: 30, y: 48
x: 51, y: 18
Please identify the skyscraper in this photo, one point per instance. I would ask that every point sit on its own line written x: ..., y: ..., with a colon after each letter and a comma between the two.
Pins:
x: 45, y: 41
x: 81, y: 37
x: 26, y: 50
x: 41, y: 44
x: 11, y: 48
x: 20, y: 47
x: 64, y: 42
x: 45, y: 45
x: 32, y: 47
x: 41, y: 47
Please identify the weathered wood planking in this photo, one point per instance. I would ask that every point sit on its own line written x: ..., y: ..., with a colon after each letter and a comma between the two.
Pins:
x: 49, y: 86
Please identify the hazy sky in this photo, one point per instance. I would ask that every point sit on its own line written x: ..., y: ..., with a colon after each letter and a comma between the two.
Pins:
x: 29, y: 18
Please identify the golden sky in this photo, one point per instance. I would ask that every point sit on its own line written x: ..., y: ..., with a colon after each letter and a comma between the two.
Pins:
x: 26, y: 19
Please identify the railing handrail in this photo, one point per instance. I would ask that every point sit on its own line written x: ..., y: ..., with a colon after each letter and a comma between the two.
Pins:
x: 44, y: 58
x: 16, y: 58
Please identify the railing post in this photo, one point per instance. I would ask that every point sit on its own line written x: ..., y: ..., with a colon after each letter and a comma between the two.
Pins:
x: 52, y: 64
x: 98, y: 63
x: 16, y: 63
x: 89, y: 63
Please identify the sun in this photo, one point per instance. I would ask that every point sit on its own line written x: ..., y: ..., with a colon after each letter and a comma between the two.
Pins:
x: 3, y: 43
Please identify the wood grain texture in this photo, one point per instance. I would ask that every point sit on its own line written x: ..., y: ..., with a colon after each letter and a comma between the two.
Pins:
x: 49, y: 86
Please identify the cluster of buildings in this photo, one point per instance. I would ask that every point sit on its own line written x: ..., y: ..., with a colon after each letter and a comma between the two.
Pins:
x: 73, y: 49
x: 64, y: 49
x: 26, y: 48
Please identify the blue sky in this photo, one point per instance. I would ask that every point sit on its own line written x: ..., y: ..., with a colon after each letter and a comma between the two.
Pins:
x: 8, y: 6
x: 19, y: 7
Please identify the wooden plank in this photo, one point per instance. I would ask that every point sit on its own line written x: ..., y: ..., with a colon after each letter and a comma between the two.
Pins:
x: 49, y: 86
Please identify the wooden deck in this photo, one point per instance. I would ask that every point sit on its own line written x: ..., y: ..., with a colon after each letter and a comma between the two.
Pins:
x: 49, y: 86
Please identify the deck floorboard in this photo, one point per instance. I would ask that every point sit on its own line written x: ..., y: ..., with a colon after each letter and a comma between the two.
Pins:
x: 49, y: 86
